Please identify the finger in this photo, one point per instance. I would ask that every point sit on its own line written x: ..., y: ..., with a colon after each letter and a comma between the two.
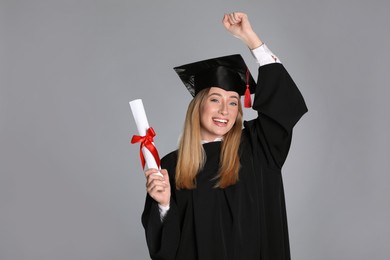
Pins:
x: 158, y: 174
x: 230, y: 18
x: 225, y: 17
x: 225, y: 21
x: 151, y: 178
x: 156, y: 188
x: 239, y: 17
x: 154, y: 179
x: 164, y: 173
x: 150, y: 171
x: 233, y: 18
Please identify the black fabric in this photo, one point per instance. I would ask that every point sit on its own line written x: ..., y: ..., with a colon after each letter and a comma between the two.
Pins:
x: 246, y: 220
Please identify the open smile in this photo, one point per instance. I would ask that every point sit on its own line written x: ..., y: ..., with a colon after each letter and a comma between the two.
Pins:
x: 220, y: 121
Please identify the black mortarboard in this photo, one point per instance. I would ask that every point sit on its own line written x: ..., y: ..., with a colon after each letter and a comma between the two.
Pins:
x: 229, y: 73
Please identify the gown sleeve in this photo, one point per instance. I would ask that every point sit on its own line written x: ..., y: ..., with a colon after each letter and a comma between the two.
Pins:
x: 280, y: 105
x: 162, y: 237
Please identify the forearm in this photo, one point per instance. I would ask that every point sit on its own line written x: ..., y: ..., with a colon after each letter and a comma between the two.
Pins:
x: 251, y: 40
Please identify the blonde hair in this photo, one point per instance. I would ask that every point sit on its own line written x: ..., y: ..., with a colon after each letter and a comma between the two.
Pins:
x: 191, y: 155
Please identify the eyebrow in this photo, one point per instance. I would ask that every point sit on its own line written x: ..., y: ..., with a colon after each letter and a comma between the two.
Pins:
x: 217, y: 94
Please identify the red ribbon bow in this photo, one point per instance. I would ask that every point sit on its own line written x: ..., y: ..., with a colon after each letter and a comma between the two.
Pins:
x: 147, y: 141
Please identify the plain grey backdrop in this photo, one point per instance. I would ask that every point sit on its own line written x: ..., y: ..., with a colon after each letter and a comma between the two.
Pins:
x: 71, y: 185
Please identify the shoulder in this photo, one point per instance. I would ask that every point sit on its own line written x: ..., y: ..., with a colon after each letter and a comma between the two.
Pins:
x: 246, y: 142
x: 250, y: 130
x: 169, y: 160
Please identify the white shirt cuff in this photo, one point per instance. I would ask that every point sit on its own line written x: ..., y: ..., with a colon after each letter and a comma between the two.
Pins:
x: 163, y: 211
x: 264, y: 56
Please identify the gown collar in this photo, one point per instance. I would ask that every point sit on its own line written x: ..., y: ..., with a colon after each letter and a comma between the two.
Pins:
x: 218, y: 139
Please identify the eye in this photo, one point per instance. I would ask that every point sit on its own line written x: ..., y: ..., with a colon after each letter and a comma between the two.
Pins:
x: 214, y: 100
x: 233, y: 103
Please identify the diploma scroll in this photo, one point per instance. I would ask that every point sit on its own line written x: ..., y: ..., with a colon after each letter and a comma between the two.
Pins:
x: 145, y: 135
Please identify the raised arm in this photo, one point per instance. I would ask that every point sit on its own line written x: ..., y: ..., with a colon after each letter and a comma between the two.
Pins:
x: 277, y: 99
x: 239, y: 26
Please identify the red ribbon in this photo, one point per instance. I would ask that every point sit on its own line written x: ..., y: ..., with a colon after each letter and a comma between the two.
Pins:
x: 147, y: 141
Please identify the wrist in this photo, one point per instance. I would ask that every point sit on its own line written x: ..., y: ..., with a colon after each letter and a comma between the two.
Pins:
x: 252, y: 40
x: 164, y: 205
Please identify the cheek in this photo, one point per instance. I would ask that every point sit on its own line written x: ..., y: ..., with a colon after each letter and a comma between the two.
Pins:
x: 204, y: 110
x: 234, y: 113
x: 208, y: 109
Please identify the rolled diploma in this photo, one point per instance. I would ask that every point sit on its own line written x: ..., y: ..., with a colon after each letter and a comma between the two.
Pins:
x: 137, y: 108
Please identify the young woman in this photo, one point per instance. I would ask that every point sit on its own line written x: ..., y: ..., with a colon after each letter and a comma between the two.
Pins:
x: 221, y: 195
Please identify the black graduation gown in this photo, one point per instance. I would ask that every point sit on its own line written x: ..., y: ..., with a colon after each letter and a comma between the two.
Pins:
x: 246, y: 220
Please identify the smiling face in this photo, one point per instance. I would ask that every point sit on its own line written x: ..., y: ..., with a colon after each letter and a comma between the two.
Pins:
x: 218, y: 113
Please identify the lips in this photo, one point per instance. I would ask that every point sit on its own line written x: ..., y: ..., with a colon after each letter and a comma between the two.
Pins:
x: 220, y: 121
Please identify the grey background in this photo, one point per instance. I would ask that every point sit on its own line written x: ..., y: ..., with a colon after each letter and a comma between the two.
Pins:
x: 71, y: 185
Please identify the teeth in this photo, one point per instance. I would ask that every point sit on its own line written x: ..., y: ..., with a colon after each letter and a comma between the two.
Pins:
x: 221, y: 120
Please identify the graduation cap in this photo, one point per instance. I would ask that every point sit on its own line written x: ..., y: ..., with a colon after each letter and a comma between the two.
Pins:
x: 228, y: 72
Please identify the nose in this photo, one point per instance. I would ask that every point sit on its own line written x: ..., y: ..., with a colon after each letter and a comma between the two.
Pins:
x: 224, y: 109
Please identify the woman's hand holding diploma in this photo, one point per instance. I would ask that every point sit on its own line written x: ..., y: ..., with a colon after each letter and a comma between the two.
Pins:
x: 158, y: 187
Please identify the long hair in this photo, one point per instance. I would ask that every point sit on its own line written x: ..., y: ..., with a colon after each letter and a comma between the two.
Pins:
x: 191, y: 155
